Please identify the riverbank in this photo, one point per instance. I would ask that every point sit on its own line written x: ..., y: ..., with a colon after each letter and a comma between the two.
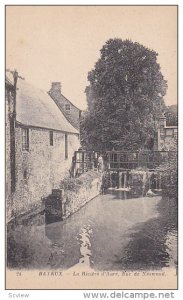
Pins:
x: 79, y: 191
x: 153, y: 244
x: 76, y: 192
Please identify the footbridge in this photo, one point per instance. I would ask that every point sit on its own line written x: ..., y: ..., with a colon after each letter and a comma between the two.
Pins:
x: 124, y: 169
x: 119, y: 160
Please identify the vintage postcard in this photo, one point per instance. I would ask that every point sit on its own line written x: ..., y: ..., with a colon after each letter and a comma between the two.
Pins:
x: 91, y: 147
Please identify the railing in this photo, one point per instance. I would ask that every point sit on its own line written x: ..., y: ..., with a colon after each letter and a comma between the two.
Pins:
x: 83, y: 161
x: 132, y: 160
x: 118, y: 160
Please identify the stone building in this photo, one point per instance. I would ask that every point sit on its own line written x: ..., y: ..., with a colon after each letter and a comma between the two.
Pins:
x: 10, y: 142
x: 70, y: 111
x: 40, y: 143
x: 167, y: 135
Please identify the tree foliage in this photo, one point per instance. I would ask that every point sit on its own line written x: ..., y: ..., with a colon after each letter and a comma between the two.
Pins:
x: 169, y: 173
x: 124, y: 96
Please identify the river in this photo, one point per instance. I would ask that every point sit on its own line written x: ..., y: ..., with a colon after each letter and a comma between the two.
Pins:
x: 108, y: 233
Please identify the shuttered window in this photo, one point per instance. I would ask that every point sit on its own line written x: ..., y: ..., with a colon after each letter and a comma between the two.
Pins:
x: 25, y: 139
x: 51, y: 138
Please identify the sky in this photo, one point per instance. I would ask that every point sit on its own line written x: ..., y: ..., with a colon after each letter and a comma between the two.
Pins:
x: 62, y: 43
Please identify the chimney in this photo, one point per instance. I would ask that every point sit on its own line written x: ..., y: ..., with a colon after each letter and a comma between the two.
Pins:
x: 55, y: 88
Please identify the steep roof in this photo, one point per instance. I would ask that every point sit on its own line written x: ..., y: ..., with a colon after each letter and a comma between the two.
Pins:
x: 59, y: 102
x: 34, y: 107
x: 70, y: 102
x: 8, y: 81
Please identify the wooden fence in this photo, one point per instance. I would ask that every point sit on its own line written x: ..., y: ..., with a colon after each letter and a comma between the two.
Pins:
x: 118, y: 160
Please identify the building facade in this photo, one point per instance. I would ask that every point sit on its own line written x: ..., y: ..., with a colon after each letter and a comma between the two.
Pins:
x: 70, y: 111
x: 167, y: 135
x: 10, y: 142
x: 40, y: 143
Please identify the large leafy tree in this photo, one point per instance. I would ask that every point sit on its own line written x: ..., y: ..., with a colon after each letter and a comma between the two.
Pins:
x: 124, y: 96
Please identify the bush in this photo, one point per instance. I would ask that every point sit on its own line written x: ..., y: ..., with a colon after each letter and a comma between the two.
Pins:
x: 68, y: 184
x: 74, y: 184
x: 169, y: 176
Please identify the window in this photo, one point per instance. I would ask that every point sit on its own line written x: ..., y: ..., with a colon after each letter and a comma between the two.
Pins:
x: 25, y: 139
x: 169, y: 132
x: 25, y: 174
x: 51, y: 138
x: 162, y: 131
x: 67, y: 108
x: 175, y: 133
x: 66, y: 146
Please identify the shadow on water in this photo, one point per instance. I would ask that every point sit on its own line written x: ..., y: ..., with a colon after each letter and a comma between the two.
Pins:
x: 148, y: 248
x: 123, y: 195
x: 120, y: 194
x: 147, y: 245
x: 19, y: 250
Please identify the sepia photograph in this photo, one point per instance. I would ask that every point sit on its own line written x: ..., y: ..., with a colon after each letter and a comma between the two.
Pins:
x: 91, y: 142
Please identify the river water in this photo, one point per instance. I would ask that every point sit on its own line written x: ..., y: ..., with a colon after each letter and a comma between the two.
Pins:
x: 110, y: 232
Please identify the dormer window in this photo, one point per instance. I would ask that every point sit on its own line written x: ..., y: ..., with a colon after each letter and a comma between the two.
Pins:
x: 67, y: 108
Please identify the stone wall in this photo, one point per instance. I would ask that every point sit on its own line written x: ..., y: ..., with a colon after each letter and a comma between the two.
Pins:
x: 167, y: 136
x: 9, y: 110
x: 89, y: 188
x: 42, y: 168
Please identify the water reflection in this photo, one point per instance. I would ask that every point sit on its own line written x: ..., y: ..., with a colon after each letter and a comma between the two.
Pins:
x: 111, y: 232
x: 124, y: 195
x: 153, y: 244
x: 85, y: 245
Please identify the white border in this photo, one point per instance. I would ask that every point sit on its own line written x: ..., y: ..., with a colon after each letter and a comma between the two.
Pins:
x: 77, y: 295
